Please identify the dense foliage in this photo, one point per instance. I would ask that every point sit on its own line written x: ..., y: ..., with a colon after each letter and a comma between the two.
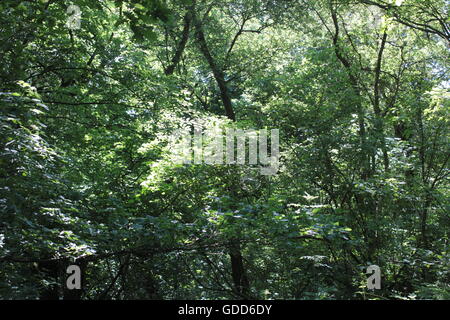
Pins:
x: 358, y: 89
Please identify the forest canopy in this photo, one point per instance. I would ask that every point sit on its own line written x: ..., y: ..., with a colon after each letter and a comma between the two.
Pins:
x: 93, y: 92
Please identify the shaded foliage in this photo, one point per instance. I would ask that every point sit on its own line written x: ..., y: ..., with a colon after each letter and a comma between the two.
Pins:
x: 358, y: 90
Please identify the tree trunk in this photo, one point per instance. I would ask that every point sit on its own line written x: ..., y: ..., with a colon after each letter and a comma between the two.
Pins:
x: 216, y: 70
x: 179, y: 51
